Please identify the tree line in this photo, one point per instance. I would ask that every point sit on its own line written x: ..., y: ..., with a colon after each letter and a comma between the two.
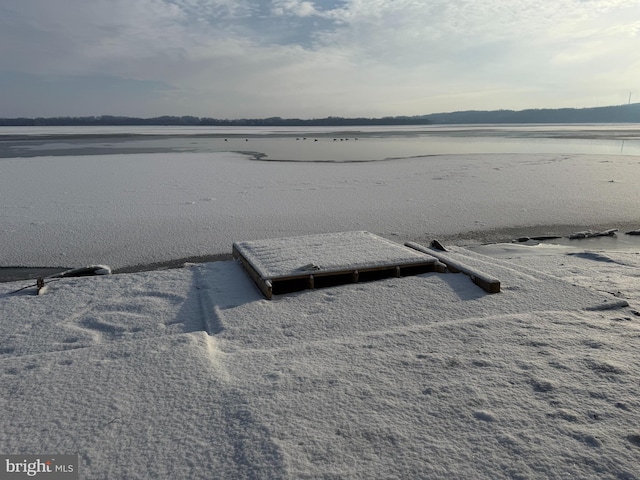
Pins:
x: 610, y: 114
x: 104, y: 120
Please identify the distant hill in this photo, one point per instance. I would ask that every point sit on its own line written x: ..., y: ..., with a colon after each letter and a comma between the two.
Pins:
x: 612, y: 114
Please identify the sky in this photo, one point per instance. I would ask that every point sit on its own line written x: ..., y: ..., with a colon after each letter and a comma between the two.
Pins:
x: 314, y: 58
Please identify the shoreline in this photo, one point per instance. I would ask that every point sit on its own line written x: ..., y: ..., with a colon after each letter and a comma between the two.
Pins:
x: 507, y: 235
x: 21, y: 273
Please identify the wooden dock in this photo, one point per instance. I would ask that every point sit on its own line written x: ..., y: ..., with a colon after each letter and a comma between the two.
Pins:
x: 488, y: 283
x: 285, y: 265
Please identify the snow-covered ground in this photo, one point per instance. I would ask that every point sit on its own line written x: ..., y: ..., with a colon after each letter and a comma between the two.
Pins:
x: 191, y: 373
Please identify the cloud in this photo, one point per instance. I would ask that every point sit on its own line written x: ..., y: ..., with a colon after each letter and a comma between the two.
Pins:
x: 329, y: 57
x: 297, y: 8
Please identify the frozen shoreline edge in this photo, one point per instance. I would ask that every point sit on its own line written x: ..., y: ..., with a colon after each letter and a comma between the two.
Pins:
x: 471, y: 239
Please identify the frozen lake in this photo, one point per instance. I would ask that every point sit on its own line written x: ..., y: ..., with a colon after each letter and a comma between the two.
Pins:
x: 132, y: 196
x: 324, y: 144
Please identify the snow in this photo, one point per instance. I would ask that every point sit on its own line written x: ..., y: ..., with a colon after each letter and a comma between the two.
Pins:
x: 191, y: 373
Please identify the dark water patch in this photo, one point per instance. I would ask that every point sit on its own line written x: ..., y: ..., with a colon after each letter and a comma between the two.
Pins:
x: 15, y: 274
x: 553, y: 234
x: 175, y: 263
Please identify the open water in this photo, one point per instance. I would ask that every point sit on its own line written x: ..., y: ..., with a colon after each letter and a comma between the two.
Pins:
x: 324, y: 144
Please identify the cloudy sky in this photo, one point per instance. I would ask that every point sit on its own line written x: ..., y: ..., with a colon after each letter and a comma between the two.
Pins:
x: 314, y: 58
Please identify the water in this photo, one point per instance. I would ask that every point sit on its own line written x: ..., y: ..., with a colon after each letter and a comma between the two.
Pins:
x: 324, y: 144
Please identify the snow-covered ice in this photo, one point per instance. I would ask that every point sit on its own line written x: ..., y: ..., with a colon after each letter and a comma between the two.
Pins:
x: 123, y: 210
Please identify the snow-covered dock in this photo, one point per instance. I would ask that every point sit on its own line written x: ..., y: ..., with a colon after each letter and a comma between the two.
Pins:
x: 283, y: 265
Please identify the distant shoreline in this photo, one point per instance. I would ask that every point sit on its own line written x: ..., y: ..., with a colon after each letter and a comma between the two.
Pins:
x: 605, y: 114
